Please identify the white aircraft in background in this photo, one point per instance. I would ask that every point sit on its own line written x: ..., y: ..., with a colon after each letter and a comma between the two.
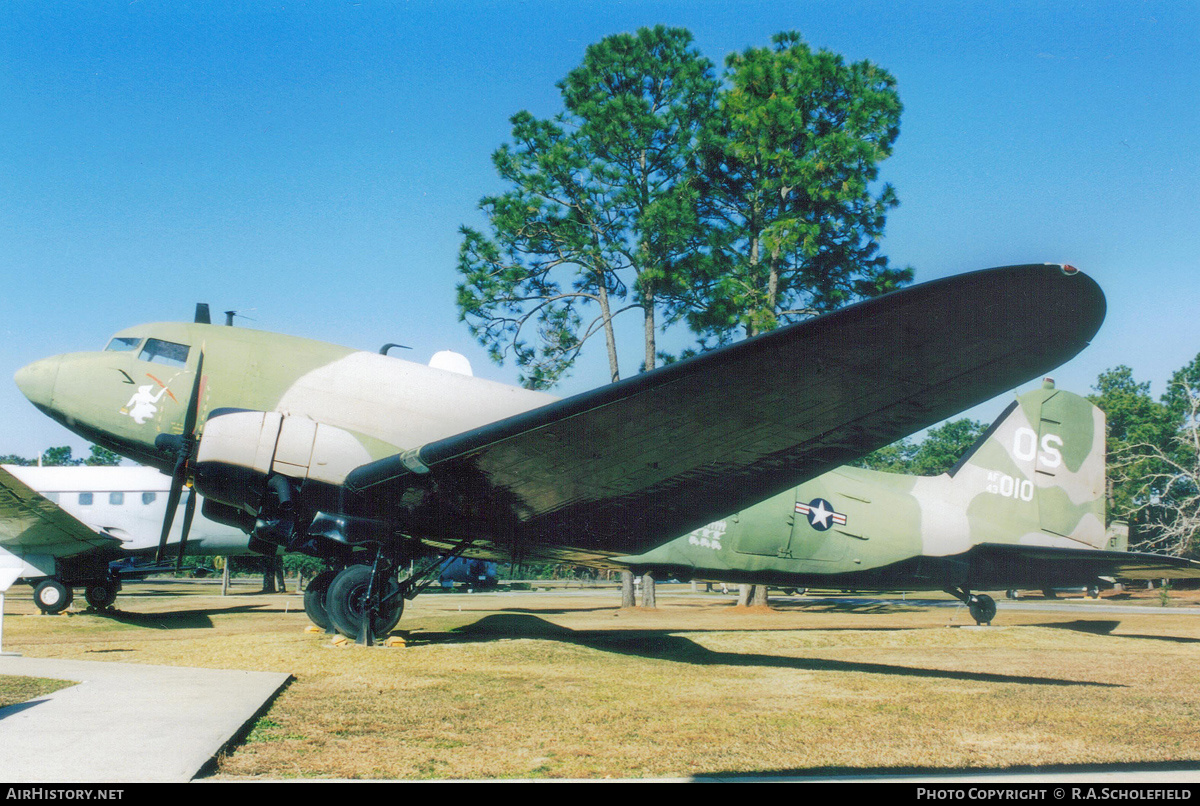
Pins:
x: 64, y: 525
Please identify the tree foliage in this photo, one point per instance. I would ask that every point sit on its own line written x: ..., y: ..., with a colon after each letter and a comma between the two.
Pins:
x: 788, y: 164
x: 63, y: 456
x: 941, y: 448
x: 1136, y: 422
x: 600, y: 211
x: 1154, y: 457
x: 733, y: 206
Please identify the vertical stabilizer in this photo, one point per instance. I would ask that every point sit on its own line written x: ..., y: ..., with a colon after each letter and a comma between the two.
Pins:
x: 1037, y: 475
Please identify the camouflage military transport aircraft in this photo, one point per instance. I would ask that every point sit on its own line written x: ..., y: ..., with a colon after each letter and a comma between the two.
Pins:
x: 1023, y: 508
x: 366, y: 460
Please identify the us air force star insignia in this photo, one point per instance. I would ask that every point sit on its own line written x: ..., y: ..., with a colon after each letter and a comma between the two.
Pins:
x: 821, y: 514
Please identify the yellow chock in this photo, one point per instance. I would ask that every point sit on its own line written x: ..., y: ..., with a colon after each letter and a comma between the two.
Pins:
x: 340, y: 640
x: 313, y: 628
x: 396, y: 641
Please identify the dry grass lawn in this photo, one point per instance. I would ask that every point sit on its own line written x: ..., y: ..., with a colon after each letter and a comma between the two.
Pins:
x: 565, y: 685
x: 14, y: 690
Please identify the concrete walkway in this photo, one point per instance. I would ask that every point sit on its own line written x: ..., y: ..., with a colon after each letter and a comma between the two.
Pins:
x: 125, y: 723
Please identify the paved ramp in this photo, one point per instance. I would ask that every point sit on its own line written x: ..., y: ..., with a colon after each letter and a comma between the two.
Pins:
x: 125, y: 723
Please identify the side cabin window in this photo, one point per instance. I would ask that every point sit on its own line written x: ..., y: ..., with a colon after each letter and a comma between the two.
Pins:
x: 85, y: 499
x: 116, y: 499
x: 158, y: 351
x: 148, y: 498
x: 123, y: 344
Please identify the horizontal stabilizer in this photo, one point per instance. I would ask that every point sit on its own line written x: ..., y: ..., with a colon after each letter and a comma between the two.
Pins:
x: 995, y: 566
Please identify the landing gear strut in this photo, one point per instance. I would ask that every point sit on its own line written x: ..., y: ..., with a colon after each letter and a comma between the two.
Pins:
x: 365, y: 602
x: 363, y: 606
x: 981, y: 606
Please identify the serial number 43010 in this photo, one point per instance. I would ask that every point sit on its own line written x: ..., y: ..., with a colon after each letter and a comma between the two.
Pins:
x: 1026, y: 448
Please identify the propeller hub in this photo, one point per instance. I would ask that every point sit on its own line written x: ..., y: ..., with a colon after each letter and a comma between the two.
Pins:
x: 171, y: 443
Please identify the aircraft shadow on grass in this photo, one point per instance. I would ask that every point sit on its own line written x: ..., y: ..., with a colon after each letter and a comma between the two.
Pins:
x: 663, y: 645
x: 1107, y: 627
x: 540, y: 611
x: 852, y: 606
x: 174, y: 620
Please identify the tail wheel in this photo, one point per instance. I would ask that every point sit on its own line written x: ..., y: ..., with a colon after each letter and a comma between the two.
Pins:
x: 347, y: 605
x: 52, y: 596
x: 314, y: 598
x: 983, y: 608
x: 100, y: 594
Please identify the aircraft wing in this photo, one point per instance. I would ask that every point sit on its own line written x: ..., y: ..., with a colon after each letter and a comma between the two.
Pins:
x: 1007, y: 565
x: 30, y: 523
x: 630, y: 465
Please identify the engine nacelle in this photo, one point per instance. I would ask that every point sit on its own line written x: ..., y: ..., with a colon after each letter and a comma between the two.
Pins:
x: 240, y: 450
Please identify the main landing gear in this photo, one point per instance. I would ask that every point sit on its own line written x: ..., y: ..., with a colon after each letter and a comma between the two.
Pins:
x: 52, y: 595
x: 981, y: 606
x: 362, y: 605
x: 364, y: 602
x: 101, y: 595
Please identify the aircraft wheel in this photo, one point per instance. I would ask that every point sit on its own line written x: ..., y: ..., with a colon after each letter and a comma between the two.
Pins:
x: 983, y: 608
x: 100, y: 594
x: 346, y: 603
x: 1012, y: 594
x: 1093, y: 592
x: 51, y: 596
x: 314, y: 598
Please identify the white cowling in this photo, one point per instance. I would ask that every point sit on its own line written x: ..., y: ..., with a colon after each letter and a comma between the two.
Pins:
x: 268, y: 442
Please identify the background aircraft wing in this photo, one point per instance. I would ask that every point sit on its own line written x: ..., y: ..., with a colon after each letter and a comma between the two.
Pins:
x: 1007, y: 566
x: 30, y: 523
x: 630, y: 465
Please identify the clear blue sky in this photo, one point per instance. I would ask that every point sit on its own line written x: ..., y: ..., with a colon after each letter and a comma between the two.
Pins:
x: 310, y: 164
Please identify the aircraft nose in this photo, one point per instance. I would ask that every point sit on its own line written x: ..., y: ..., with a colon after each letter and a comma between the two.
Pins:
x: 36, y: 381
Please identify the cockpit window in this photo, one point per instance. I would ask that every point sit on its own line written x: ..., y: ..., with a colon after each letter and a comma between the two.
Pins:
x: 164, y: 352
x: 122, y: 344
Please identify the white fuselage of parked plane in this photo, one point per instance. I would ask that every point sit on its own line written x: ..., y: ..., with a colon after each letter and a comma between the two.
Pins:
x: 125, y: 503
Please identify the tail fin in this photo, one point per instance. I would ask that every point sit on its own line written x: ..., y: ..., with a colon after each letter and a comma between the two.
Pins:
x: 1038, y: 474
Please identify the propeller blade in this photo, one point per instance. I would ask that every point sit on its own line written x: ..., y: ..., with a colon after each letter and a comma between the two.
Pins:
x: 189, y: 512
x: 172, y: 505
x: 182, y: 445
x: 189, y: 419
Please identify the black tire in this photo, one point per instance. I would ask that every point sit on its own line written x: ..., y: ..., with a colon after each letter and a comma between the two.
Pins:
x: 51, y: 596
x: 100, y: 594
x: 345, y: 603
x: 314, y: 598
x: 983, y: 608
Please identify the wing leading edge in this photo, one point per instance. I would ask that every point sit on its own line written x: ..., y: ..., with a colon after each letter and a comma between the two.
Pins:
x: 627, y: 466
